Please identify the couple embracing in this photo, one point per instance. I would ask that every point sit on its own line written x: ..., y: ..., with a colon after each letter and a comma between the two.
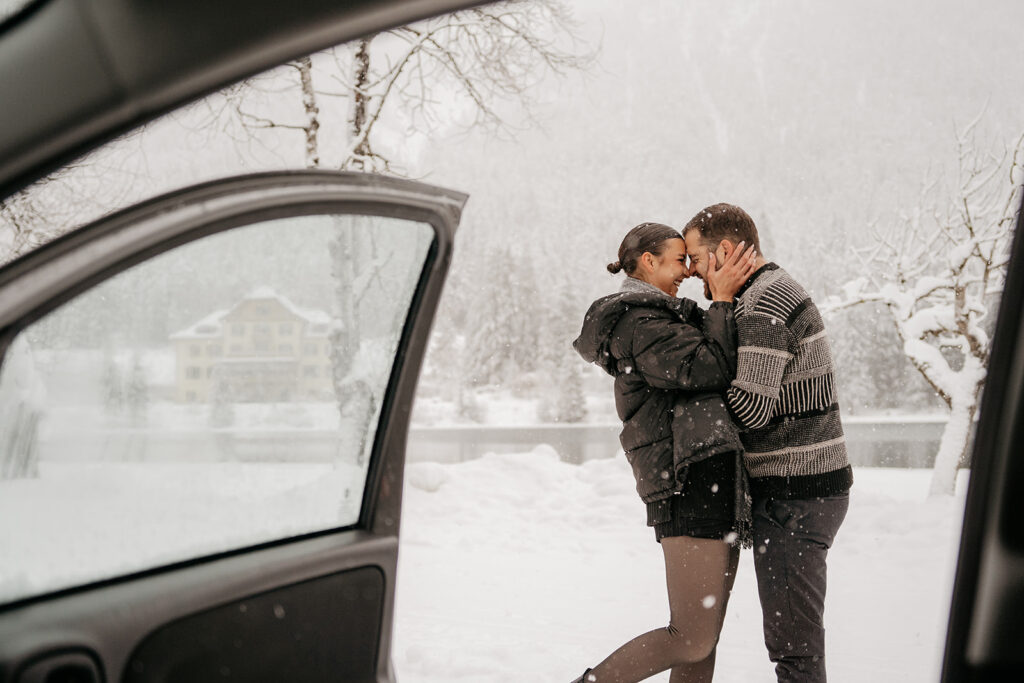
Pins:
x: 731, y: 425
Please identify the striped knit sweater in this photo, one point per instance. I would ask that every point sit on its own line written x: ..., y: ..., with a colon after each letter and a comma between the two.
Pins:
x: 784, y: 393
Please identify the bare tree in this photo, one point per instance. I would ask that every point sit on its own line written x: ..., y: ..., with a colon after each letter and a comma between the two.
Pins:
x: 479, y: 61
x: 480, y: 57
x: 939, y: 271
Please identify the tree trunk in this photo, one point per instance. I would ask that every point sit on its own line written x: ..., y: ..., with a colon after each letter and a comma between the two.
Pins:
x: 312, y: 126
x: 953, y: 446
x: 360, y: 102
x: 356, y: 402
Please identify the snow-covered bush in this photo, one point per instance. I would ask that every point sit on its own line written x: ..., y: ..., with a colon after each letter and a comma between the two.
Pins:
x: 22, y: 394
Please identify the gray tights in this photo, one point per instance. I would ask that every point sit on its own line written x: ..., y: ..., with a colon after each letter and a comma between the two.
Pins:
x: 700, y: 573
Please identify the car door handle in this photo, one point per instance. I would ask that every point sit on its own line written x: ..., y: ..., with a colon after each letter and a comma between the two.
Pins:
x: 68, y: 667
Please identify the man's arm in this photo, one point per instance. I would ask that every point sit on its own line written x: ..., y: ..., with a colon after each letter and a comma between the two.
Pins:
x: 765, y: 344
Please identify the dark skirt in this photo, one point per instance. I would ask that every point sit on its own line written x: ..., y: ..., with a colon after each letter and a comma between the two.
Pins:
x: 706, y: 505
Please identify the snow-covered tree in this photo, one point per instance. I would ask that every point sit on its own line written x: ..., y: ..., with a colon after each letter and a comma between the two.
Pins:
x: 356, y: 268
x: 112, y: 383
x: 222, y: 407
x: 22, y: 404
x: 939, y: 270
x: 856, y: 337
x: 565, y: 402
x: 468, y: 406
x: 503, y: 330
x: 137, y: 394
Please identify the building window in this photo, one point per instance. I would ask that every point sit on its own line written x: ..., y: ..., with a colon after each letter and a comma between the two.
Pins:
x: 309, y: 349
x: 309, y: 371
x: 238, y: 329
x: 190, y: 396
x: 261, y: 345
x: 236, y: 348
x: 213, y: 350
x: 209, y: 372
x: 192, y: 372
x: 262, y: 328
x: 195, y: 350
x: 284, y: 349
x: 284, y: 328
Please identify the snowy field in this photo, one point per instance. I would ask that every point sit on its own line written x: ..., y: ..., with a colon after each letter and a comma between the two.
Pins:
x: 513, y: 567
x: 523, y: 568
x: 79, y: 523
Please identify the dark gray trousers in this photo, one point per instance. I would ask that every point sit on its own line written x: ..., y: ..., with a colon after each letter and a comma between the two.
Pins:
x: 791, y: 542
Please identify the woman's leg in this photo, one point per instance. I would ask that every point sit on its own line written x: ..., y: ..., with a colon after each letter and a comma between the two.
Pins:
x: 702, y: 671
x: 699, y: 574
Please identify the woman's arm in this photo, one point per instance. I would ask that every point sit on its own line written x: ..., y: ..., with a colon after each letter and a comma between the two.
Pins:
x: 718, y: 324
x: 673, y: 354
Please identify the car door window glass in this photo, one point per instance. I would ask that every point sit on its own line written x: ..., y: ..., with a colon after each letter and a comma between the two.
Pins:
x: 222, y: 394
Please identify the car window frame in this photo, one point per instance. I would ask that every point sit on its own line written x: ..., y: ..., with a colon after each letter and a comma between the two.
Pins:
x: 364, y: 194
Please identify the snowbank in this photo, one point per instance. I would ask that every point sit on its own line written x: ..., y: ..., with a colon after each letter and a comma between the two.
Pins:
x: 520, y: 567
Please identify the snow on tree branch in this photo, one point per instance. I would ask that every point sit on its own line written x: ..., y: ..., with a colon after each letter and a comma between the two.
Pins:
x: 936, y: 269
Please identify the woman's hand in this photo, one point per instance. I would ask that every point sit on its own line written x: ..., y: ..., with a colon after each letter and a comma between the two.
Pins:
x: 725, y: 281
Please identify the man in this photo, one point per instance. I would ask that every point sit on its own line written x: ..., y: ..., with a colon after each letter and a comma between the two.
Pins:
x: 784, y: 399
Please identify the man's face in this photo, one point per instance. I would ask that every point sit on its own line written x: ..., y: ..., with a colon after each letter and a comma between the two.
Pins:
x: 698, y: 254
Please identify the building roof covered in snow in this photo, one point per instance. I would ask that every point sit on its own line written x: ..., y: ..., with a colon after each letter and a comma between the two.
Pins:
x: 211, y: 326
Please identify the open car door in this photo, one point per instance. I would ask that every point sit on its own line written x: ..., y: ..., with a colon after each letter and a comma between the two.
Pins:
x: 204, y: 402
x: 983, y: 644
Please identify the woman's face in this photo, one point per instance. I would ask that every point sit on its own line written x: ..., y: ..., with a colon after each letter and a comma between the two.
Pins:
x: 669, y: 269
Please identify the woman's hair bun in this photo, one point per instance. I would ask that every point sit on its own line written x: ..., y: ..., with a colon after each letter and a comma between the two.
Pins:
x: 614, y: 268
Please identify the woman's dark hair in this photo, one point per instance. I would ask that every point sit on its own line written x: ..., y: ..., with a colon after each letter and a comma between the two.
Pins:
x: 641, y: 239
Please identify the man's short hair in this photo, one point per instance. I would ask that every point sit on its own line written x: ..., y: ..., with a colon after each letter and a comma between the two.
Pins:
x: 724, y: 222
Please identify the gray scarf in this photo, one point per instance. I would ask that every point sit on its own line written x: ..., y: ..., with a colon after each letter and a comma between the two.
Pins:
x: 634, y: 285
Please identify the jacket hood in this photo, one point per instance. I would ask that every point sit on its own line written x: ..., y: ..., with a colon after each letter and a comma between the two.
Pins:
x: 594, y: 342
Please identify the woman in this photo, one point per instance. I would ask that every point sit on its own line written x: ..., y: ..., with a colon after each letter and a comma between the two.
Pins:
x: 670, y: 361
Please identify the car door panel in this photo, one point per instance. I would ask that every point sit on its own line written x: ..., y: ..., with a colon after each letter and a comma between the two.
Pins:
x: 138, y: 616
x: 327, y: 628
x: 330, y: 590
x: 984, y: 636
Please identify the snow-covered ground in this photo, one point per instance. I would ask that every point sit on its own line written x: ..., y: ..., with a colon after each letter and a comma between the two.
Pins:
x: 513, y: 567
x: 519, y: 567
x: 79, y: 523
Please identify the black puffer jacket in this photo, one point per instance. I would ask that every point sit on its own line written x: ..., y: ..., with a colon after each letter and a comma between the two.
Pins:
x: 670, y: 360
